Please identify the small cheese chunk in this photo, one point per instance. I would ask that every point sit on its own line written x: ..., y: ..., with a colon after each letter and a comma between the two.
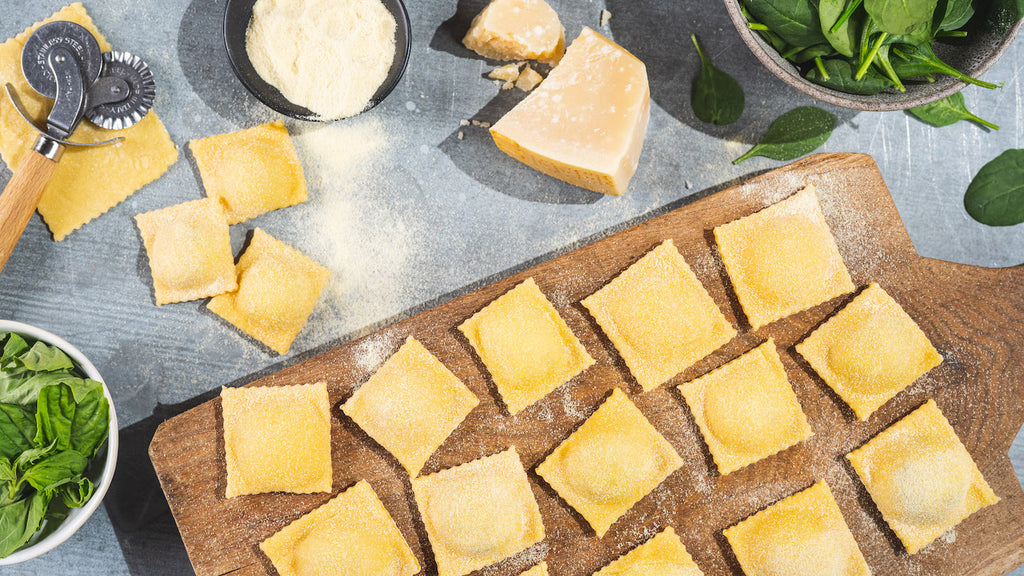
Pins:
x: 585, y: 124
x: 517, y: 30
x: 528, y: 79
x: 506, y: 73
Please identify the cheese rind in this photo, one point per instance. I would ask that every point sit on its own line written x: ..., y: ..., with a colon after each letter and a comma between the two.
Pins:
x: 586, y: 122
x: 517, y: 30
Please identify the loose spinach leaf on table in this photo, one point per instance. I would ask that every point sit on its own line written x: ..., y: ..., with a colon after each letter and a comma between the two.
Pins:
x: 996, y: 195
x: 17, y: 430
x: 797, y: 132
x: 949, y: 110
x: 20, y: 520
x: 717, y: 97
x: 795, y: 21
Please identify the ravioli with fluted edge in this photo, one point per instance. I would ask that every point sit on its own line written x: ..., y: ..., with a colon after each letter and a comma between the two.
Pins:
x: 478, y: 513
x: 802, y: 535
x: 526, y: 346
x: 746, y: 409
x: 410, y: 405
x: 921, y: 477
x: 189, y: 250
x: 662, y: 555
x: 659, y: 316
x: 610, y: 462
x: 351, y: 535
x: 277, y: 439
x: 538, y: 570
x: 870, y: 351
x: 278, y: 287
x: 783, y: 259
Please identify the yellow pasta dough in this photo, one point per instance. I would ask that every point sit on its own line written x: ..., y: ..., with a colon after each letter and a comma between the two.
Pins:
x: 746, y: 409
x: 538, y: 570
x: 351, y: 535
x: 88, y: 181
x: 870, y: 351
x: 663, y: 555
x: 410, y: 405
x: 609, y: 463
x: 277, y: 439
x: 802, y: 535
x: 478, y: 513
x: 251, y: 172
x: 659, y: 316
x: 277, y: 289
x: 525, y: 345
x: 783, y: 259
x: 189, y: 249
x: 921, y: 477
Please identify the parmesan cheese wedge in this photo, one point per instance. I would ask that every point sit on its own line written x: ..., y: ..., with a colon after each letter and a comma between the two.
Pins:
x: 517, y: 30
x: 585, y: 124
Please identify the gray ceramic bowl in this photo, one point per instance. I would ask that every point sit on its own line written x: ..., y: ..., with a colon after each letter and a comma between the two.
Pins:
x: 973, y: 56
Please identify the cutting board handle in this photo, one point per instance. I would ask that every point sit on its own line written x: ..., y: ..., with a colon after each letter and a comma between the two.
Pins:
x: 21, y: 196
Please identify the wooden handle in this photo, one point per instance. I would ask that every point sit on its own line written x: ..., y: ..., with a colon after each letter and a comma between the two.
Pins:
x: 20, y: 198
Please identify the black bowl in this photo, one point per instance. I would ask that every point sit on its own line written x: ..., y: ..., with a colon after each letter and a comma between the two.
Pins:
x: 236, y: 22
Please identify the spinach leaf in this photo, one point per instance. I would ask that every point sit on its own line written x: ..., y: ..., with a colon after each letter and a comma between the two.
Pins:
x: 56, y: 470
x: 900, y: 16
x: 1004, y: 14
x: 14, y: 345
x: 949, y: 110
x: 17, y: 430
x: 797, y: 132
x: 955, y: 15
x: 795, y: 21
x: 996, y: 195
x: 840, y: 77
x: 912, y: 61
x: 846, y: 37
x: 44, y: 358
x: 20, y: 520
x: 716, y: 98
x: 76, y: 494
x: 91, y: 421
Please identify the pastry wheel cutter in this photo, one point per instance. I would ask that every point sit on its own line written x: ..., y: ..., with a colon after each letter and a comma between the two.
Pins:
x: 62, y: 61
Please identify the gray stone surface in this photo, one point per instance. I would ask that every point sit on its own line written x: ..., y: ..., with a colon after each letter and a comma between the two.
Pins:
x: 407, y: 214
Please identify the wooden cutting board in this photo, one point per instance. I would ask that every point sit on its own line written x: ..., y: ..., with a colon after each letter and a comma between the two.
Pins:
x: 974, y: 316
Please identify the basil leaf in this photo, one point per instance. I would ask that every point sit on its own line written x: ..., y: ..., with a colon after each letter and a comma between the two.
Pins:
x: 796, y: 133
x: 76, y: 494
x: 846, y: 39
x: 841, y: 77
x: 900, y: 16
x: 56, y: 470
x: 14, y: 345
x: 91, y: 421
x: 31, y: 456
x: 795, y: 21
x: 717, y: 98
x: 996, y: 195
x: 17, y: 430
x: 54, y: 413
x: 44, y: 358
x: 23, y: 389
x: 20, y: 520
x: 949, y: 110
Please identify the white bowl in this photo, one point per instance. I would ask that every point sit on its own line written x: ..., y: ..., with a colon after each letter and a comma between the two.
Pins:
x: 76, y: 516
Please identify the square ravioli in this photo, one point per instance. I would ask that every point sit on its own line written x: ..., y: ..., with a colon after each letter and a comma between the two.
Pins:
x: 921, y: 477
x: 410, y: 405
x: 351, y: 534
x: 189, y: 249
x: 746, y: 409
x: 802, y: 534
x: 609, y: 463
x: 478, y: 513
x: 277, y: 439
x: 278, y: 287
x: 525, y: 345
x: 663, y: 555
x: 783, y: 259
x: 538, y: 570
x: 870, y: 351
x: 252, y: 171
x: 659, y: 316
x: 88, y: 181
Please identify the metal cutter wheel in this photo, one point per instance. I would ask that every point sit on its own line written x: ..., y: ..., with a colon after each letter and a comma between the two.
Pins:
x: 63, y: 61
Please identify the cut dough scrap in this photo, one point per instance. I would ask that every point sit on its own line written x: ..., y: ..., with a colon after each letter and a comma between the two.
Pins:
x: 525, y: 345
x: 746, y: 409
x: 870, y: 351
x: 609, y: 463
x: 351, y: 535
x: 659, y: 316
x: 277, y: 439
x: 802, y: 535
x: 921, y: 477
x: 277, y: 289
x: 189, y: 249
x: 410, y: 405
x: 88, y: 181
x: 663, y: 555
x: 478, y: 513
x: 517, y: 30
x: 538, y: 570
x: 783, y: 259
x: 251, y: 172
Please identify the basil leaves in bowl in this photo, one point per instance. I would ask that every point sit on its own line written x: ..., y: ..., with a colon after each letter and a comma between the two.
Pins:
x: 878, y: 54
x: 58, y: 441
